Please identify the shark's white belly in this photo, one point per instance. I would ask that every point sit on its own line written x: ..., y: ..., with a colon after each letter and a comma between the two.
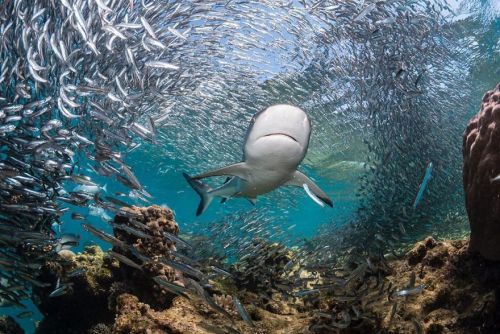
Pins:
x: 262, y: 181
x: 271, y: 162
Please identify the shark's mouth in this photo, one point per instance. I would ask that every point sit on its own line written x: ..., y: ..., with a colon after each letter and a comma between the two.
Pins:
x: 282, y: 134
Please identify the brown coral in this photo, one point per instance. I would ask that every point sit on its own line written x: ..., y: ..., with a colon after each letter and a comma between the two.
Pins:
x: 134, y: 317
x: 155, y: 221
x: 226, y: 302
x: 481, y: 153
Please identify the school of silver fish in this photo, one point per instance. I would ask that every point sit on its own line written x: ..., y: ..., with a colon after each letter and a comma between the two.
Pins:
x: 85, y: 82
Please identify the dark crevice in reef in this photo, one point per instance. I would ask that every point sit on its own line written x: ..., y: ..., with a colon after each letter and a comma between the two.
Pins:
x: 9, y: 326
x: 87, y: 302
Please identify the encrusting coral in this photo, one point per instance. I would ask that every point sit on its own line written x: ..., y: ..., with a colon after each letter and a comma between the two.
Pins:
x: 460, y: 295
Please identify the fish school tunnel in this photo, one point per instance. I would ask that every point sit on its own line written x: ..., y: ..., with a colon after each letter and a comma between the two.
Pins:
x: 249, y: 166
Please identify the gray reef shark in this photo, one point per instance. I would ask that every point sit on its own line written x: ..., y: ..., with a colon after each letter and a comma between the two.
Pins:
x: 276, y: 143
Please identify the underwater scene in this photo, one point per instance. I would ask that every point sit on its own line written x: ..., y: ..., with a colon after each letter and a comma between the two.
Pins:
x: 237, y: 166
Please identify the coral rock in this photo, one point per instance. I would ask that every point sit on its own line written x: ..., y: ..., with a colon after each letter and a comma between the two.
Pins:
x: 135, y: 317
x: 481, y: 153
x: 86, y: 304
x: 157, y: 220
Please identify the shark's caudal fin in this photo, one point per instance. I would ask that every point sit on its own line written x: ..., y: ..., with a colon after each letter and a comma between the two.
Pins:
x: 203, y: 190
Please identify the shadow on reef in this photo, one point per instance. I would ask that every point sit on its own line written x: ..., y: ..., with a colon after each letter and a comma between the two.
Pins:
x: 437, y: 287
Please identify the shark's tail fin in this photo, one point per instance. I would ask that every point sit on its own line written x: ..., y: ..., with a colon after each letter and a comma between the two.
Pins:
x: 203, y: 190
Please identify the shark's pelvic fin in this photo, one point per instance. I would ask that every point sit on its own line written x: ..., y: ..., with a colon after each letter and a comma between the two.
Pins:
x: 203, y: 190
x: 299, y: 179
x: 224, y: 199
x: 240, y: 170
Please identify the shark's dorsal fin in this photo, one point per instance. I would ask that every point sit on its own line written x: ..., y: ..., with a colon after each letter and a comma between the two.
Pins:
x: 299, y: 179
x: 240, y: 170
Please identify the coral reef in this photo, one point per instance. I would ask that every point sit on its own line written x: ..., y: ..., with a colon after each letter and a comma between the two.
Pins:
x: 87, y: 302
x: 189, y: 317
x: 97, y: 280
x: 436, y: 287
x: 117, y: 298
x: 481, y: 153
x: 134, y: 317
x: 144, y: 229
x: 456, y: 292
x: 9, y: 326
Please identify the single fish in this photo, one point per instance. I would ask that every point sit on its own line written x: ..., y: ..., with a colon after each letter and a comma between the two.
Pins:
x: 77, y: 216
x: 276, y: 143
x: 303, y: 293
x: 24, y: 315
x: 407, y: 292
x: 172, y: 287
x: 125, y: 260
x: 61, y: 290
x: 423, y: 185
x: 496, y: 178
x: 243, y: 313
x: 90, y: 189
x: 185, y: 268
x: 177, y: 240
x: 221, y: 271
x: 76, y: 272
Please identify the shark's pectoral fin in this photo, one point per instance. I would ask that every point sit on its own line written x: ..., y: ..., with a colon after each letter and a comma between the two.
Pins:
x: 299, y: 180
x: 252, y: 200
x: 240, y: 170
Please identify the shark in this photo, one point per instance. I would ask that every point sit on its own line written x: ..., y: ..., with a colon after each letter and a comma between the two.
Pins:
x: 276, y: 142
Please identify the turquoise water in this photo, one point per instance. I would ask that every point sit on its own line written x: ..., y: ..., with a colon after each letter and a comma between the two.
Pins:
x: 205, y: 133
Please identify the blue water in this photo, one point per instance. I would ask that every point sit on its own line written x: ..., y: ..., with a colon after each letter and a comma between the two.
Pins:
x: 160, y: 169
